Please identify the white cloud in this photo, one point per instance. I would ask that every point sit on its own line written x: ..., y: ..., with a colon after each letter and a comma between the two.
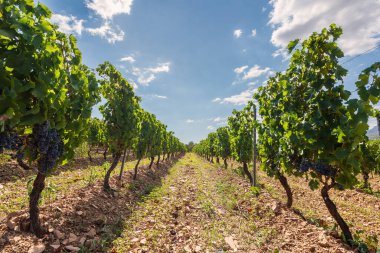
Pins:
x: 240, y: 99
x: 73, y: 25
x: 238, y: 33
x: 68, y: 24
x: 256, y: 82
x: 189, y: 121
x: 253, y: 33
x: 107, y: 32
x: 109, y: 8
x: 129, y: 59
x: 216, y: 100
x: 146, y: 79
x: 219, y: 119
x: 160, y: 96
x: 210, y: 127
x: 240, y: 70
x: 154, y: 96
x: 106, y: 9
x: 255, y: 71
x: 162, y: 67
x: 244, y: 74
x: 222, y: 123
x: 298, y: 19
x: 147, y: 75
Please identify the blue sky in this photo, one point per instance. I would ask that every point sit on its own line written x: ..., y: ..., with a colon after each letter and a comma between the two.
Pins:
x: 193, y: 62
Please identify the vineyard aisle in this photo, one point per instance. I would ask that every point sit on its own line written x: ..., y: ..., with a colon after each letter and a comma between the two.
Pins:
x: 203, y: 208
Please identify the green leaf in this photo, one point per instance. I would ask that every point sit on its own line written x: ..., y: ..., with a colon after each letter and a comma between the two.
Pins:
x: 42, y: 10
x: 313, y: 184
x: 39, y: 91
x: 6, y: 34
x: 32, y: 119
x: 292, y: 44
x: 341, y: 153
x: 361, y: 128
x: 10, y: 112
x: 46, y: 26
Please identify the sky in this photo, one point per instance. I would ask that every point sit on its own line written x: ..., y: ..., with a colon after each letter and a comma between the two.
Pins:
x: 193, y: 62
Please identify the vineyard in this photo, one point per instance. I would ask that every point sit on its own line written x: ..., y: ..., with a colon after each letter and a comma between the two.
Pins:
x: 293, y: 171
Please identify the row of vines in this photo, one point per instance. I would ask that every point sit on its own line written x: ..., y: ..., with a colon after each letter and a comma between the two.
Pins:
x: 309, y: 126
x: 46, y: 99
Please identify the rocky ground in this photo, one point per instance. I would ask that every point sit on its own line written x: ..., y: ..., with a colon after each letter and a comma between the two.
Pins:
x: 186, y: 205
x: 203, y: 208
x: 360, y: 210
x: 83, y: 218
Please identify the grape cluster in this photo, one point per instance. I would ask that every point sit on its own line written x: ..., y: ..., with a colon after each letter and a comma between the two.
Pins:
x: 9, y: 140
x: 47, y: 145
x: 305, y: 165
x: 321, y: 167
x: 324, y: 169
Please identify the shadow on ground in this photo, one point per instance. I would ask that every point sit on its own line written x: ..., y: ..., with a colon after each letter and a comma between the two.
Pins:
x: 93, y: 216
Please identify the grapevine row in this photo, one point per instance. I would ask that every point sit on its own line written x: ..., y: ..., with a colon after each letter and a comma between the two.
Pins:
x: 46, y: 99
x: 310, y: 125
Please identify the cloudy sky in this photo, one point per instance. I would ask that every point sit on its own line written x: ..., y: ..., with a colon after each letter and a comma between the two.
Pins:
x: 193, y: 62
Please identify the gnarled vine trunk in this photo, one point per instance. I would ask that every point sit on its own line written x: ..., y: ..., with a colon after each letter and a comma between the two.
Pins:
x: 106, y: 184
x: 89, y: 153
x: 136, y: 167
x: 217, y: 160
x: 105, y: 153
x: 151, y: 162
x: 334, y: 212
x: 246, y: 171
x: 158, y: 160
x: 284, y: 182
x: 122, y: 163
x: 38, y: 186
x: 225, y: 163
x: 22, y: 164
x: 365, y: 179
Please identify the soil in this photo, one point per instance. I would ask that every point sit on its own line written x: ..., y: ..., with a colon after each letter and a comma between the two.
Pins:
x: 189, y: 205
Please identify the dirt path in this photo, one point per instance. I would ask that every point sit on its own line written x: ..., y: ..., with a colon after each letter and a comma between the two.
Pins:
x: 203, y: 208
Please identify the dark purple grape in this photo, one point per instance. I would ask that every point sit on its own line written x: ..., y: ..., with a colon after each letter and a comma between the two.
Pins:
x: 323, y: 168
x: 47, y: 145
x: 9, y: 140
x: 304, y: 166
